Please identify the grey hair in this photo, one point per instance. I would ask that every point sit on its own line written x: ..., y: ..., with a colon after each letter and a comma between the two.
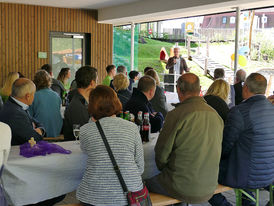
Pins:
x: 21, y: 87
x: 186, y: 86
x: 241, y: 75
x: 121, y: 69
x: 256, y: 83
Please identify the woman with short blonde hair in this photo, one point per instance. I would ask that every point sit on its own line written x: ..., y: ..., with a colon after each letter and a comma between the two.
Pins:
x: 120, y: 84
x: 7, y: 88
x: 217, y: 97
x: 219, y: 88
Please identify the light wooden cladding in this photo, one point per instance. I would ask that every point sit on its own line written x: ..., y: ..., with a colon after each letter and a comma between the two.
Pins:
x: 24, y: 31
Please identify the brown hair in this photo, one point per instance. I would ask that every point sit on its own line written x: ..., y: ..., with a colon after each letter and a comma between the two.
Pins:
x: 154, y: 75
x: 146, y: 83
x: 103, y: 102
x: 42, y: 80
x: 147, y: 69
x: 62, y: 74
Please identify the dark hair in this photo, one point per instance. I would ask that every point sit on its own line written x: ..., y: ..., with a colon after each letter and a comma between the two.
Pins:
x: 147, y: 69
x: 121, y: 69
x: 133, y: 74
x: 189, y: 83
x: 20, y: 75
x: 42, y: 80
x: 219, y: 73
x: 62, y: 74
x: 110, y: 67
x: 85, y: 75
x: 256, y: 83
x: 146, y: 83
x: 47, y: 67
x: 103, y: 102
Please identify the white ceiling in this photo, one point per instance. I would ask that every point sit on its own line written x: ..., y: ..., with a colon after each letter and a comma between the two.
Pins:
x: 85, y: 4
x: 121, y: 12
x: 155, y: 10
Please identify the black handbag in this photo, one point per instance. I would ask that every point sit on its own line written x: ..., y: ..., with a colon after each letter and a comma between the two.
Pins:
x: 139, y: 198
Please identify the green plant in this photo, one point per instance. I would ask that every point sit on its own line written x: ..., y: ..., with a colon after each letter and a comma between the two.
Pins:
x: 267, y: 49
x: 165, y: 36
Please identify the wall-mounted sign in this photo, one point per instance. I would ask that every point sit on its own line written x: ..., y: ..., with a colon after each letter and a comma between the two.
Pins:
x: 264, y: 19
x: 42, y: 55
x: 190, y: 27
x: 232, y: 20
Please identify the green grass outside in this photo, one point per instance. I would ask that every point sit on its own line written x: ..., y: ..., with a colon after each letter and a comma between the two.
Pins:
x: 149, y: 53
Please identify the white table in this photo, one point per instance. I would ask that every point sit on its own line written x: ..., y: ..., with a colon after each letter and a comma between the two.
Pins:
x: 31, y: 180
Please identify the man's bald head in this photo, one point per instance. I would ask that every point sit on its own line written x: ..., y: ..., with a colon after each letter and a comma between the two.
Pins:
x: 21, y: 87
x: 240, y: 75
x: 256, y: 83
x: 189, y: 84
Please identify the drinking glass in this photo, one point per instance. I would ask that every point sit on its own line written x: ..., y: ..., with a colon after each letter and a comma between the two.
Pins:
x: 76, y: 131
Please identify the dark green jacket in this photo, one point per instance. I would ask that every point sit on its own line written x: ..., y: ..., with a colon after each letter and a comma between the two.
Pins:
x: 188, y: 151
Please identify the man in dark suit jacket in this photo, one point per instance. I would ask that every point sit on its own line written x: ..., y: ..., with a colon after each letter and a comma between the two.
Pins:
x: 140, y: 102
x: 240, y: 78
x: 177, y: 64
x: 15, y: 114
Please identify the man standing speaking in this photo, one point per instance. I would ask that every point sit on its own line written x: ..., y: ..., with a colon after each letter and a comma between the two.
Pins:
x: 177, y: 64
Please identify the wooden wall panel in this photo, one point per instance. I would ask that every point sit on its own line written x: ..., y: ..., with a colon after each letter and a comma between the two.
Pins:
x: 25, y: 30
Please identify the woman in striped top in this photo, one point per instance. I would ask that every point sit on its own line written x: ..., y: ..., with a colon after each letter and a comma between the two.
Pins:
x: 100, y: 184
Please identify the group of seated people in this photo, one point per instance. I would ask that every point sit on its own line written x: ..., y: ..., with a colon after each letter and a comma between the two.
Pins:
x: 201, y: 142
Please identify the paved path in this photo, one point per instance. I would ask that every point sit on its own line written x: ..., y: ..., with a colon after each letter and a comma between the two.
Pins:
x: 212, y: 65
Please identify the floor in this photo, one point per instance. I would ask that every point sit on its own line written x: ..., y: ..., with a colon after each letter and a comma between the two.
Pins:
x: 264, y: 198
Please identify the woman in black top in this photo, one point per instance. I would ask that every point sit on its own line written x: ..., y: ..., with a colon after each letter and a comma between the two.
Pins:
x: 120, y: 84
x: 217, y: 97
x: 159, y: 103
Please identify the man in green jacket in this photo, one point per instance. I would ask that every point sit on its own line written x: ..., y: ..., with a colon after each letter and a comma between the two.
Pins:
x: 189, y: 147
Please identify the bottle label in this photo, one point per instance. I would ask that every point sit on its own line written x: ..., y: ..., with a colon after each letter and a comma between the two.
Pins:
x: 146, y: 127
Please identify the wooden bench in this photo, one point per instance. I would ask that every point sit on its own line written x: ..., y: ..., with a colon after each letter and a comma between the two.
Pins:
x: 54, y: 139
x: 76, y: 204
x: 162, y: 200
